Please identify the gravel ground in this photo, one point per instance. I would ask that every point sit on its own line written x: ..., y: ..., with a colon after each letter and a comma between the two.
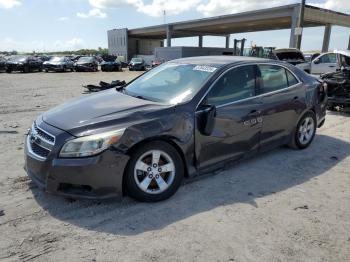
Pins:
x: 283, y: 205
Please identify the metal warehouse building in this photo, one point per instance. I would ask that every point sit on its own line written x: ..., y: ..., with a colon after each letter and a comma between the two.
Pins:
x: 150, y: 40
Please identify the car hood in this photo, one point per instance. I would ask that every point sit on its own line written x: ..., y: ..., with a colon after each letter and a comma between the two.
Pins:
x: 98, y: 111
x: 53, y: 63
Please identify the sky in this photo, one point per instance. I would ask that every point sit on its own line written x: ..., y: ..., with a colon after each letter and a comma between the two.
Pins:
x: 57, y: 25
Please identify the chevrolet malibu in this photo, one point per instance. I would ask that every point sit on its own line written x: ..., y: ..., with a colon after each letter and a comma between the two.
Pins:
x: 179, y: 120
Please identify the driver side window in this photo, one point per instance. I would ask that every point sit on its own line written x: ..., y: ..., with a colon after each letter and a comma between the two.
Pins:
x: 328, y: 58
x: 236, y: 84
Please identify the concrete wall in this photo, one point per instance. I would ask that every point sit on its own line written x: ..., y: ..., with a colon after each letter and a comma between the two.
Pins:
x: 118, y: 42
x: 170, y: 53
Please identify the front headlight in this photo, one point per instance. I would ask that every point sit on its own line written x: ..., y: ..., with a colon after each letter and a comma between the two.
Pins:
x: 90, y: 145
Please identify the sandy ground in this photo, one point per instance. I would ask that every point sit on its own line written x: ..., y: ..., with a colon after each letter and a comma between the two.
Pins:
x: 284, y: 205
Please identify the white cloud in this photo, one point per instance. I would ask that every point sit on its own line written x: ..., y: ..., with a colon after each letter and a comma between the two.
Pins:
x: 338, y: 5
x: 71, y: 44
x: 92, y: 13
x: 219, y: 7
x: 63, y: 18
x: 9, y: 3
x: 172, y: 7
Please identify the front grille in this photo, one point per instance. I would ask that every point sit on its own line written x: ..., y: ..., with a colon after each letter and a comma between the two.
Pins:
x: 43, y: 135
x: 40, y: 142
x: 38, y: 150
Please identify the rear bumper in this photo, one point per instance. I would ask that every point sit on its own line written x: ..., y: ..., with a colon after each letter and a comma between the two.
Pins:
x: 97, y: 177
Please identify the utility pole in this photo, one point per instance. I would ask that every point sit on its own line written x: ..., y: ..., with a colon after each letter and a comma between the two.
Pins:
x: 301, y: 23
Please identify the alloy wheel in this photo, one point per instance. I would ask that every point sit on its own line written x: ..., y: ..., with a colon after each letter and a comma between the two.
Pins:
x: 154, y: 172
x: 306, y: 130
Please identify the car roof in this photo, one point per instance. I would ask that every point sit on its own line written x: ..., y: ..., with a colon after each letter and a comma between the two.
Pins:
x: 343, y: 52
x: 219, y: 61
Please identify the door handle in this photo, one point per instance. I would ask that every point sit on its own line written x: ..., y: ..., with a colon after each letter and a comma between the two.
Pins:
x: 254, y: 113
x: 295, y: 99
x: 331, y: 66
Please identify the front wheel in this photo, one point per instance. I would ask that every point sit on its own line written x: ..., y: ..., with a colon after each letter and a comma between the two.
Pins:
x: 155, y: 172
x: 304, y: 132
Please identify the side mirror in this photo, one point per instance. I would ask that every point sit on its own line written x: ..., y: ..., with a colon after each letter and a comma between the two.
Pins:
x: 207, y: 120
x: 316, y: 62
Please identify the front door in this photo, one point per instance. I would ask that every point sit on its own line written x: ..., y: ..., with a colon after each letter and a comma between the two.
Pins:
x: 237, y: 121
x: 325, y: 63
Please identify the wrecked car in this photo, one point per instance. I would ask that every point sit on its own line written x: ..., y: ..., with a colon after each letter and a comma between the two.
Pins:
x: 86, y: 63
x: 184, y: 118
x: 290, y: 55
x: 23, y: 64
x: 111, y: 65
x: 57, y: 63
x: 338, y: 83
x: 137, y: 64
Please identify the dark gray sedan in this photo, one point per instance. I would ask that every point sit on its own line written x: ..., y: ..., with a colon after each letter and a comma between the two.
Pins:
x: 179, y: 120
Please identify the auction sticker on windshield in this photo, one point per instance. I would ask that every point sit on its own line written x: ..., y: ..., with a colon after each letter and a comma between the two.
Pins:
x: 204, y: 68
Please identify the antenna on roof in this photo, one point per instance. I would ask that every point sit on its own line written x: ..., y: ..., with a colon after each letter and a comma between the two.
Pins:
x: 164, y: 16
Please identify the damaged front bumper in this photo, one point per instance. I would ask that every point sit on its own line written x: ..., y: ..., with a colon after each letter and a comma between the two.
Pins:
x: 97, y: 177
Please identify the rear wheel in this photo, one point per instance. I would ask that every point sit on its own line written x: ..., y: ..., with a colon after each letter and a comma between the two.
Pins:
x: 304, y: 132
x: 155, y: 172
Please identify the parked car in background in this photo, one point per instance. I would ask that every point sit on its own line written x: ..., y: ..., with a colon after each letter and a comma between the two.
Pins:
x: 58, y: 63
x: 157, y: 62
x: 2, y: 64
x: 181, y: 119
x: 24, y: 64
x: 324, y: 63
x: 86, y: 63
x: 44, y: 58
x: 110, y: 65
x: 137, y: 64
x: 290, y: 55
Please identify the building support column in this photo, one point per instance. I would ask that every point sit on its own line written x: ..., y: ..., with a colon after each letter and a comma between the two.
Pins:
x: 200, y: 41
x: 349, y: 44
x: 169, y: 32
x: 326, y: 38
x: 227, y: 45
x: 295, y: 21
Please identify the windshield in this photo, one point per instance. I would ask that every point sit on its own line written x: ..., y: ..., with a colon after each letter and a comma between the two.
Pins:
x: 18, y: 58
x: 137, y: 60
x: 85, y: 59
x: 170, y: 83
x: 57, y: 59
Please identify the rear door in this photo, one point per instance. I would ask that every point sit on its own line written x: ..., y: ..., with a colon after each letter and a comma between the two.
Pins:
x: 324, y: 64
x: 237, y: 124
x: 283, y: 98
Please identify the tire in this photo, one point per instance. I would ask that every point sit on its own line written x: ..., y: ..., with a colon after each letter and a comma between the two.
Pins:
x: 46, y: 70
x: 40, y: 69
x: 9, y: 71
x: 26, y: 69
x: 304, y: 132
x: 144, y: 182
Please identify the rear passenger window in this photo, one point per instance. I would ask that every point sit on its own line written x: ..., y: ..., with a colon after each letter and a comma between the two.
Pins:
x: 291, y: 79
x: 235, y: 85
x: 274, y: 78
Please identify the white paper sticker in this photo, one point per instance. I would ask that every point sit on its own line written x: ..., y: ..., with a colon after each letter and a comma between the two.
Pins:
x: 204, y: 68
